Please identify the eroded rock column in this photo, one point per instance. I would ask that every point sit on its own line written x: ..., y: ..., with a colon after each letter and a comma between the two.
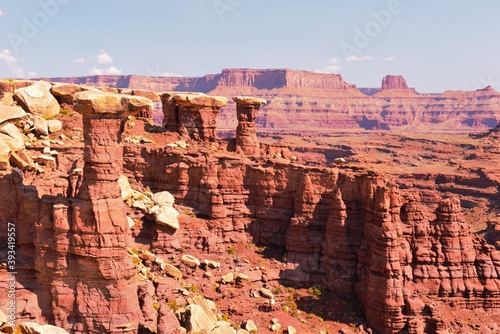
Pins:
x: 247, y: 109
x: 192, y: 114
x: 106, y: 291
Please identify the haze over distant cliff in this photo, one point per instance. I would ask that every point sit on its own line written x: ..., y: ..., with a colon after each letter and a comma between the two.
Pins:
x: 309, y: 101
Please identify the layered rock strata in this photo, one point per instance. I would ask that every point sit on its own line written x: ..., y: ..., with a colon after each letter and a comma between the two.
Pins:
x: 299, y: 100
x: 354, y: 233
x: 192, y: 114
x: 348, y: 229
x: 247, y: 109
x: 85, y: 280
x: 394, y: 82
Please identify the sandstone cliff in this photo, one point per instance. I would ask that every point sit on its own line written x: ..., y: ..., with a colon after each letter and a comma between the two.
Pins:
x: 348, y: 229
x: 325, y: 102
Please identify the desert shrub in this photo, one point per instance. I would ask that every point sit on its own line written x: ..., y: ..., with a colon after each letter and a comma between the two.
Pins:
x: 316, y: 291
x: 173, y: 305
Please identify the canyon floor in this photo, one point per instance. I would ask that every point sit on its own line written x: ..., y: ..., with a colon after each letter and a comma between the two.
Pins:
x: 433, y: 162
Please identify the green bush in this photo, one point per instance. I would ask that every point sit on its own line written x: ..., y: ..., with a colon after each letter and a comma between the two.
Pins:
x: 316, y: 291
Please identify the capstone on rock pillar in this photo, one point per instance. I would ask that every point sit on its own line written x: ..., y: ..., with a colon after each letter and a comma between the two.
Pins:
x: 192, y: 114
x: 247, y: 109
x: 99, y: 221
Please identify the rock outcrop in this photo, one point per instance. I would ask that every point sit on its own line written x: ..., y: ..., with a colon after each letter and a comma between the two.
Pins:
x: 106, y: 294
x: 192, y: 115
x: 38, y: 99
x: 73, y: 249
x: 353, y: 233
x: 394, y: 82
x: 12, y: 140
x: 247, y: 109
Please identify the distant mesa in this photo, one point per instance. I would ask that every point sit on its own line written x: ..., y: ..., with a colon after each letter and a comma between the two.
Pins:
x: 394, y: 82
x: 299, y: 100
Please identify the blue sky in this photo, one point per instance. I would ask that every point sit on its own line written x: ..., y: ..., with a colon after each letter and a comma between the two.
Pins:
x: 435, y: 45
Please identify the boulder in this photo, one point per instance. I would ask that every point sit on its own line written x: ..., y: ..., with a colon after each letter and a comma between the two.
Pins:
x: 64, y: 92
x: 167, y: 216
x: 212, y: 264
x: 14, y: 144
x: 10, y: 113
x: 12, y: 131
x: 190, y: 260
x: 195, y: 320
x: 54, y: 125
x: 266, y: 293
x: 228, y: 278
x: 34, y: 328
x: 38, y: 100
x: 88, y: 103
x: 126, y: 190
x: 5, y: 153
x: 172, y: 271
x: 41, y: 126
x: 163, y: 198
x: 242, y: 277
x: 223, y: 328
x: 47, y: 160
x: 250, y: 326
x: 22, y: 160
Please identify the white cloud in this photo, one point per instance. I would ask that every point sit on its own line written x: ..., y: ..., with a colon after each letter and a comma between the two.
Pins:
x: 390, y: 58
x: 168, y: 74
x: 334, y: 65
x: 80, y: 60
x: 110, y: 71
x: 330, y: 69
x: 32, y: 74
x: 113, y: 71
x: 95, y: 71
x: 2, y: 13
x: 11, y: 63
x: 7, y: 58
x: 355, y: 58
x: 103, y: 57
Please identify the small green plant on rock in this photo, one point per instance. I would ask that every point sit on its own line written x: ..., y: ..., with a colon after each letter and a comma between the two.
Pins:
x: 65, y: 111
x: 316, y: 291
x: 193, y: 288
x: 173, y: 305
x: 231, y: 250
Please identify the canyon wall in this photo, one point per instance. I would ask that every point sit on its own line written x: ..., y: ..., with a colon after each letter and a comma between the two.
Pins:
x: 351, y: 232
x: 324, y: 102
x: 345, y: 228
